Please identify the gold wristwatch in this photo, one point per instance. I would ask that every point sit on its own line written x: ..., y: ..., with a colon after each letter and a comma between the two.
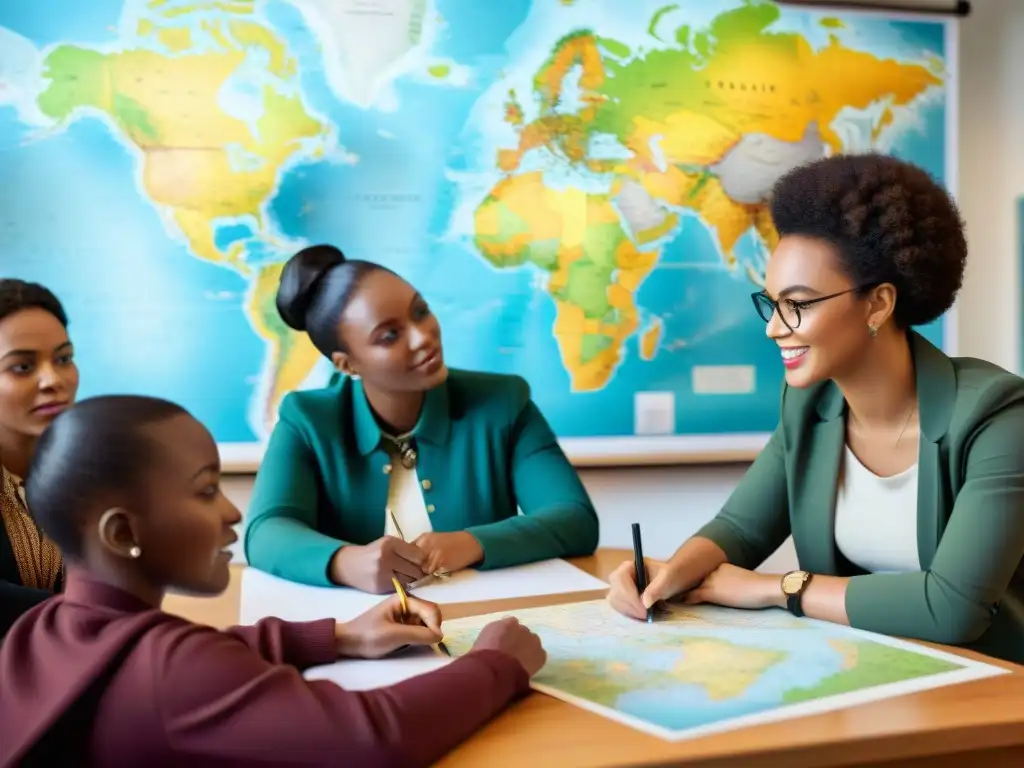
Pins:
x: 793, y: 585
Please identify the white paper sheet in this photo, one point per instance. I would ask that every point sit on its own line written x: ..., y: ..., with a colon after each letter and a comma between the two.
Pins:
x: 359, y: 675
x: 265, y: 595
x: 548, y: 577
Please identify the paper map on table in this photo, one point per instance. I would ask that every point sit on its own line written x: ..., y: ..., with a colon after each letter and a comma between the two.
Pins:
x: 703, y: 669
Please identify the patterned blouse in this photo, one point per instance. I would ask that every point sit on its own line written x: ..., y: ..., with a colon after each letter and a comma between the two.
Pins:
x: 39, y: 561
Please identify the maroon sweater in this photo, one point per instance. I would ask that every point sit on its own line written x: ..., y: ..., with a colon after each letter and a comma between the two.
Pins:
x: 97, y: 674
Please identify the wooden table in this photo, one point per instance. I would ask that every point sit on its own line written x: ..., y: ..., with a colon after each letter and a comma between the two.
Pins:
x: 980, y: 723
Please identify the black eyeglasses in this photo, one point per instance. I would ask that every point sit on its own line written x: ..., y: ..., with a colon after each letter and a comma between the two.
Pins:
x: 789, y: 309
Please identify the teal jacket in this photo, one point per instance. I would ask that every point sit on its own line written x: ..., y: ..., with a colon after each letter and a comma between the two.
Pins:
x: 484, y: 453
x: 970, y: 506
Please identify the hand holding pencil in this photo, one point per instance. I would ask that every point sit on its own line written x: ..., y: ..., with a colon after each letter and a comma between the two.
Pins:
x: 371, y: 567
x: 404, y: 602
x: 395, y: 622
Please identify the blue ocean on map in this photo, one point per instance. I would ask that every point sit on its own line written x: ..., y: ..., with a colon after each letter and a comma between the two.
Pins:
x: 148, y: 314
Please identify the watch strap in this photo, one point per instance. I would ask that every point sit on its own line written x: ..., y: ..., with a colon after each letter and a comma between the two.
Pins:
x: 795, y: 602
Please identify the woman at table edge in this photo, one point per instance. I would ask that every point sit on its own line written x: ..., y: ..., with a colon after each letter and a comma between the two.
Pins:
x: 400, y: 466
x: 99, y: 673
x: 898, y: 471
x: 38, y: 380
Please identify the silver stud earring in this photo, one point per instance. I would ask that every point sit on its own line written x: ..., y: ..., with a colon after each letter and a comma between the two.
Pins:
x: 872, y: 331
x: 354, y: 376
x: 134, y: 552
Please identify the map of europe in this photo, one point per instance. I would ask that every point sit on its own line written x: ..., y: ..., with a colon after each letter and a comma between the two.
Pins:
x: 578, y: 187
x: 699, y: 669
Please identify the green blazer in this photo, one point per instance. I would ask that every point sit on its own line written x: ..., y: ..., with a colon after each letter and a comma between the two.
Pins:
x: 970, y: 506
x: 483, y: 448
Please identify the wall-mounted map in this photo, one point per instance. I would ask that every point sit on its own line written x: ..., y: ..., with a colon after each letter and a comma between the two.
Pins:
x: 578, y: 187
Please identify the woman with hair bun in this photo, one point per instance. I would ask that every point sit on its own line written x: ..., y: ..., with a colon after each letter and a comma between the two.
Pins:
x: 898, y: 471
x: 400, y: 467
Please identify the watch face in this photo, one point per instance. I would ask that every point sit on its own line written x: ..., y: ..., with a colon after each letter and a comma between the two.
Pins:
x: 792, y: 582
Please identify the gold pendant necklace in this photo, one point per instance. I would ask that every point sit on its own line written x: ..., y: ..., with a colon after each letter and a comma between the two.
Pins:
x: 905, y: 425
x: 899, y: 437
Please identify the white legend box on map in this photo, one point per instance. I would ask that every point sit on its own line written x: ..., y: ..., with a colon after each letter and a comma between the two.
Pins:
x: 654, y: 413
x: 723, y: 379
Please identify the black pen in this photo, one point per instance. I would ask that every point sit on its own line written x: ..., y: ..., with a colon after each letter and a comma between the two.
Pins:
x: 641, y: 569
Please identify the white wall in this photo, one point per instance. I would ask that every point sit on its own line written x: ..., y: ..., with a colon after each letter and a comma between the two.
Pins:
x: 671, y: 503
x: 992, y: 178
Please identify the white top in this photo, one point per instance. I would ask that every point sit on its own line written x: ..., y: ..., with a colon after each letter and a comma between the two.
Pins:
x: 405, y: 503
x: 876, y: 518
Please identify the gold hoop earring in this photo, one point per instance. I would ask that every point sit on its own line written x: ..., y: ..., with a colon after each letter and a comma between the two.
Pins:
x: 134, y: 553
x: 872, y: 331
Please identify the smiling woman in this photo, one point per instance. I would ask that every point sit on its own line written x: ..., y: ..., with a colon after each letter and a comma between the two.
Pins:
x: 38, y: 380
x: 400, y: 467
x: 898, y: 471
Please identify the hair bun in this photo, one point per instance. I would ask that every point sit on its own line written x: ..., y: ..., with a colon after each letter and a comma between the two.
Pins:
x: 300, y: 279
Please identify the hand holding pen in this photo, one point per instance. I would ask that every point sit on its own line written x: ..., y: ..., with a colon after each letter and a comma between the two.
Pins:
x: 634, y: 583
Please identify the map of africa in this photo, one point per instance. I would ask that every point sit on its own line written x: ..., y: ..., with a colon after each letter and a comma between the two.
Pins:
x: 577, y: 187
x: 700, y: 669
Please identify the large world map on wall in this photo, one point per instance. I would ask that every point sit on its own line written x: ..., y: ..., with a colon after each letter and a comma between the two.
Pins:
x: 578, y: 187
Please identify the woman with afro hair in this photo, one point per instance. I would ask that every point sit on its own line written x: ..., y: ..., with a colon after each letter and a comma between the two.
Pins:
x: 898, y: 470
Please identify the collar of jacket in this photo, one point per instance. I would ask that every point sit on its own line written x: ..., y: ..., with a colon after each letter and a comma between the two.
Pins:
x: 434, y: 425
